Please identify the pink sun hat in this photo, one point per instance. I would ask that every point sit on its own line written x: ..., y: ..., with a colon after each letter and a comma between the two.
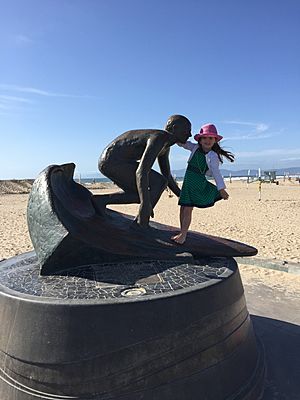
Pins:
x: 208, y: 130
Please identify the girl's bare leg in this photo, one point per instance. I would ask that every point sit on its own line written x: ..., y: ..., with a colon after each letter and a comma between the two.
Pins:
x: 185, y: 222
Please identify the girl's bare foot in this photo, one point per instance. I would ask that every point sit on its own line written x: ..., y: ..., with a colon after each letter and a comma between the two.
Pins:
x: 180, y: 238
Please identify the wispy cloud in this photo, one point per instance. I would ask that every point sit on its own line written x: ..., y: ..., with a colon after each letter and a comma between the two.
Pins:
x: 13, y: 103
x: 269, y: 153
x: 268, y: 158
x: 23, y: 40
x: 8, y: 99
x: 38, y: 92
x: 252, y: 136
x: 291, y: 159
x: 16, y: 98
x: 250, y: 130
x: 258, y: 126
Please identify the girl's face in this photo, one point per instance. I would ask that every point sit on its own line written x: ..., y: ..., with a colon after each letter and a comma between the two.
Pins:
x: 207, y: 142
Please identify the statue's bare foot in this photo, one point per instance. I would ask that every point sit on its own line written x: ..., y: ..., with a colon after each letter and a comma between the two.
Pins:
x: 139, y: 227
x: 180, y: 238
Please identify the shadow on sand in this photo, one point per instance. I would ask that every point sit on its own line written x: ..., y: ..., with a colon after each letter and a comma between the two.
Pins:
x: 281, y: 341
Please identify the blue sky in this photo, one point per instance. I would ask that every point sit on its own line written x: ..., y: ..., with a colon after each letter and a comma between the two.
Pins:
x: 75, y: 74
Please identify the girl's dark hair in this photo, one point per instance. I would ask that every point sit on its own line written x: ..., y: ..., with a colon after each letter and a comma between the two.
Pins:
x: 221, y: 152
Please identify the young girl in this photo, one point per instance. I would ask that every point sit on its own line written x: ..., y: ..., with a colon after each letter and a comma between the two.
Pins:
x: 196, y: 190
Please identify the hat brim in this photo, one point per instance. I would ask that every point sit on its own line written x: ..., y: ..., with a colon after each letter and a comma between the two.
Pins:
x: 215, y: 135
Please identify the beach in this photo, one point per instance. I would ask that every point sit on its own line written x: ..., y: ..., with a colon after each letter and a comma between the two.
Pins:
x: 271, y: 224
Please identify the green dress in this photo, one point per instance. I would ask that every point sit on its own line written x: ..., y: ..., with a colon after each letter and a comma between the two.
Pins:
x: 196, y: 190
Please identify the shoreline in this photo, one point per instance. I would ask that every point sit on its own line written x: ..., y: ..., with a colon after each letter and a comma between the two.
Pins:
x: 23, y: 186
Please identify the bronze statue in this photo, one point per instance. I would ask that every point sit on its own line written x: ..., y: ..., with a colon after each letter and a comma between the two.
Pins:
x: 128, y: 162
x: 70, y: 227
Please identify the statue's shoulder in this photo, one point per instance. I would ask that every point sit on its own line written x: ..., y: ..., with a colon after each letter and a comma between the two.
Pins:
x: 136, y: 137
x: 144, y: 133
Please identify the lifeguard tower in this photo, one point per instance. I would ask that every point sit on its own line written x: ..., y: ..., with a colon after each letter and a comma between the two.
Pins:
x: 270, y: 176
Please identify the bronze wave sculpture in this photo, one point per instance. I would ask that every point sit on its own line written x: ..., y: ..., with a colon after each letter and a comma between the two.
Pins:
x: 67, y: 231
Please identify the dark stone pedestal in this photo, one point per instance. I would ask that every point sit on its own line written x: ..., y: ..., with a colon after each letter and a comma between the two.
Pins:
x: 132, y: 331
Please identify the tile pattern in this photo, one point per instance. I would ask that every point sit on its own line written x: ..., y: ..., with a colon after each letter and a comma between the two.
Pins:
x: 113, y: 280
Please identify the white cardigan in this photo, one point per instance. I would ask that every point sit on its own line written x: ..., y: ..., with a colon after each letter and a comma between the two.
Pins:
x: 212, y: 161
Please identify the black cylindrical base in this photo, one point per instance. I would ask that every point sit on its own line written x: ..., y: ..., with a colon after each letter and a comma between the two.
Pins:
x: 151, y: 330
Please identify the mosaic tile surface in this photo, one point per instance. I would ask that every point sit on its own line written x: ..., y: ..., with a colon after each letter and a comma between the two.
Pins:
x: 112, y: 280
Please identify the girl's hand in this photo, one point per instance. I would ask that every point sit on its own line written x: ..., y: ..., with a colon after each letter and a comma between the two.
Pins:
x: 224, y: 194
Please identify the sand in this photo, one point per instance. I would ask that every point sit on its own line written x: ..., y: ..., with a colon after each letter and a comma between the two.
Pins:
x: 272, y: 225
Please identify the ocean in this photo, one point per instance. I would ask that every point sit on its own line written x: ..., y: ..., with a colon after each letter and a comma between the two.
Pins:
x: 178, y: 179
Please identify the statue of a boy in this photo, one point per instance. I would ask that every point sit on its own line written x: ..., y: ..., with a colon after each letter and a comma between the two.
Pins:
x: 128, y: 162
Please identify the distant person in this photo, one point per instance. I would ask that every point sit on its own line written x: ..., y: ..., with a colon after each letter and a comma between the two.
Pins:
x: 196, y: 190
x: 128, y: 162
